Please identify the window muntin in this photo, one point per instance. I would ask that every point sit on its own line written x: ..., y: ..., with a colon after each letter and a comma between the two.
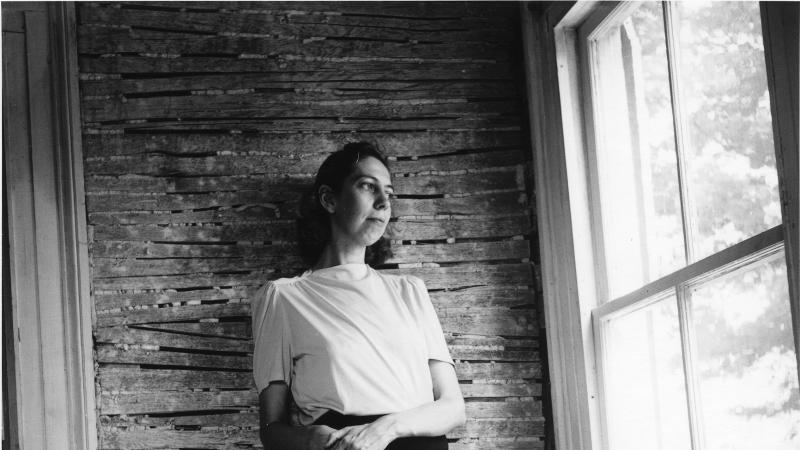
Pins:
x: 728, y: 208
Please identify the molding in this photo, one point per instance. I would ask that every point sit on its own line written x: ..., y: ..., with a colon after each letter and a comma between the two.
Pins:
x: 81, y: 307
x: 567, y: 323
x: 51, y: 303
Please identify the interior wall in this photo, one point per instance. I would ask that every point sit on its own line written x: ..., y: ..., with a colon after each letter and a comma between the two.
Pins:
x: 202, y: 124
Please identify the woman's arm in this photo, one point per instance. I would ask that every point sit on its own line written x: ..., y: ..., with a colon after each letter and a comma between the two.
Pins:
x: 275, y: 430
x: 431, y: 419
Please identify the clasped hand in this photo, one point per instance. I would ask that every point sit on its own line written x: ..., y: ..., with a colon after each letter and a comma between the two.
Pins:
x: 372, y: 436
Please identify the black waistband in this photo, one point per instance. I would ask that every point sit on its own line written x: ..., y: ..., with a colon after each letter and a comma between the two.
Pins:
x: 338, y: 420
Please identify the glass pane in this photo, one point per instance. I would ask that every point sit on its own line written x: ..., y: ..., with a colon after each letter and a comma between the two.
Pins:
x: 645, y: 394
x: 730, y: 157
x: 636, y: 159
x: 745, y: 359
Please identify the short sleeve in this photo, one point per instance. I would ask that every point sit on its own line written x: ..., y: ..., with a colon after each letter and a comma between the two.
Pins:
x: 272, y: 360
x: 429, y: 323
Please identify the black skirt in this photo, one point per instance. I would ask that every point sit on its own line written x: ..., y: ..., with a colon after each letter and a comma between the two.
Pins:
x: 338, y: 421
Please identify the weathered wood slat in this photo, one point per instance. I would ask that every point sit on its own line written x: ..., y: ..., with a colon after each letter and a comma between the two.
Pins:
x: 203, y: 421
x: 489, y: 204
x: 299, y: 69
x: 288, y: 124
x: 99, y: 41
x: 496, y: 371
x: 479, y: 296
x: 126, y: 242
x: 153, y: 401
x: 276, y: 230
x: 290, y: 164
x: 172, y: 314
x: 255, y: 105
x: 180, y: 281
x: 466, y: 275
x: 111, y: 354
x: 300, y: 27
x: 436, y: 278
x: 483, y: 296
x: 468, y: 251
x: 463, y: 252
x: 228, y: 439
x: 478, y: 354
x: 117, y: 355
x: 507, y: 342
x: 417, y: 185
x: 500, y: 427
x: 133, y: 249
x: 489, y: 321
x: 410, y: 229
x: 127, y: 335
x: 298, y: 90
x: 161, y: 402
x: 115, y: 268
x: 493, y: 390
x: 228, y: 88
x: 258, y: 16
x: 172, y: 439
x: 478, y: 321
x: 233, y: 215
x: 236, y: 330
x: 506, y: 443
x: 476, y: 410
x: 424, y: 10
x: 142, y: 380
x: 107, y: 301
x: 392, y: 143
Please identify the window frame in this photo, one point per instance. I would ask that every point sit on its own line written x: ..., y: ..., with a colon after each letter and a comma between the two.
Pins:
x: 565, y: 189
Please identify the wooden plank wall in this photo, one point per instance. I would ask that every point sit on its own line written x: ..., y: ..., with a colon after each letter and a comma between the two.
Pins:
x: 202, y: 123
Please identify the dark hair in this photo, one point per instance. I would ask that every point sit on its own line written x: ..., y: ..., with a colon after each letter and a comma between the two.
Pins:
x: 314, y: 227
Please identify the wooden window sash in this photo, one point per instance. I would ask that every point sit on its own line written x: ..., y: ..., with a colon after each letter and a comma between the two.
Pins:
x: 568, y: 139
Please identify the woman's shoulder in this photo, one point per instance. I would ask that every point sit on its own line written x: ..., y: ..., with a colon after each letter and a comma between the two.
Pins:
x: 403, y: 280
x: 271, y: 288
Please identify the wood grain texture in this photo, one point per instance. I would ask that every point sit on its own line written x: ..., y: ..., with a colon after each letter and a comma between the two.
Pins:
x: 397, y: 144
x: 203, y: 127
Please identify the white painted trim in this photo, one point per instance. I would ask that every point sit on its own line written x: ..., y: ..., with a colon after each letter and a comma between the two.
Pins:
x: 51, y: 306
x: 80, y: 308
x: 567, y: 322
x: 704, y: 267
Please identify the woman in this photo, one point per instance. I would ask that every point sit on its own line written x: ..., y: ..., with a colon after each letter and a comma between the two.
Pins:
x: 346, y: 357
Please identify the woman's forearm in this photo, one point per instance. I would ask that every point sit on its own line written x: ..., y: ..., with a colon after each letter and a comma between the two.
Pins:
x: 431, y: 419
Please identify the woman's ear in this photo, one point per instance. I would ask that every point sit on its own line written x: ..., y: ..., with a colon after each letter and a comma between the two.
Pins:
x: 326, y: 198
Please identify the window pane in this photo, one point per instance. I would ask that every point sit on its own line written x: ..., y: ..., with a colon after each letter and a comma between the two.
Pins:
x: 745, y: 359
x: 636, y: 159
x: 730, y: 157
x: 645, y: 394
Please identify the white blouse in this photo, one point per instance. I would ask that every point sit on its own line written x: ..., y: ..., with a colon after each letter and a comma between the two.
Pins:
x: 349, y: 339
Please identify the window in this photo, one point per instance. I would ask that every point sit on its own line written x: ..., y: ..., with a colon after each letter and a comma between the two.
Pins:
x: 677, y: 239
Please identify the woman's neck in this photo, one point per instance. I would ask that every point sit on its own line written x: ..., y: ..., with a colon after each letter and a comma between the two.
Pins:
x: 335, y: 255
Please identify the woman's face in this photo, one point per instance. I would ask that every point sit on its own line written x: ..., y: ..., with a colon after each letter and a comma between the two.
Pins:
x: 361, y: 210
